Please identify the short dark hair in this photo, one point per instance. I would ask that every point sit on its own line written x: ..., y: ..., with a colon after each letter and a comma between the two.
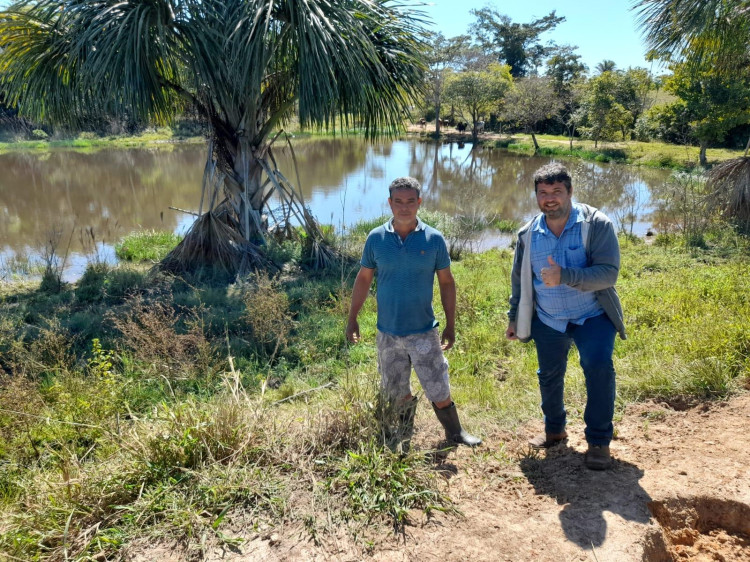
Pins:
x: 552, y: 173
x: 404, y: 183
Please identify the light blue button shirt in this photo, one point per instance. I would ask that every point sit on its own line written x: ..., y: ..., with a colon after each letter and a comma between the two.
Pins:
x: 556, y: 306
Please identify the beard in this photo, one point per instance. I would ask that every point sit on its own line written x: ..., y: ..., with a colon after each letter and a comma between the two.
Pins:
x: 558, y: 212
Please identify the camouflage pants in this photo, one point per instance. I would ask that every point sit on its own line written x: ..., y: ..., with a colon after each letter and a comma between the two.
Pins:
x: 397, y: 355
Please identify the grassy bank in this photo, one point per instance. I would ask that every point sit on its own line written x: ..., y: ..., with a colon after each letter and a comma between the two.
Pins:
x: 649, y: 154
x: 86, y: 140
x: 149, y: 137
x: 141, y: 407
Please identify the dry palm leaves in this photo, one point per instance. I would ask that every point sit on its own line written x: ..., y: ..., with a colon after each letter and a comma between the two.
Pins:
x: 729, y: 185
x: 213, y: 245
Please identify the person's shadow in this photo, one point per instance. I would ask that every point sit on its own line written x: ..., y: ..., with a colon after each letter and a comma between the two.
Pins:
x: 586, y: 493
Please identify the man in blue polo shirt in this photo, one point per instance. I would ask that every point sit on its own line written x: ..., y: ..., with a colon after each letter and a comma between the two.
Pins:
x: 566, y: 264
x: 407, y: 254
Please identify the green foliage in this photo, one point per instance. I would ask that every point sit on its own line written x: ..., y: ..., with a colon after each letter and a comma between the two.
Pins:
x: 611, y: 103
x: 39, y: 134
x: 531, y: 101
x: 459, y: 231
x: 162, y: 419
x: 476, y: 93
x: 146, y: 245
x: 713, y: 103
x: 515, y: 44
x: 669, y: 123
x: 380, y: 484
x: 267, y: 314
x: 505, y: 225
x: 681, y: 204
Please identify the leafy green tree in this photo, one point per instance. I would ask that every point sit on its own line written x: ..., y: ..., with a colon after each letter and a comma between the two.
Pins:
x: 247, y: 66
x: 531, y: 101
x: 515, y: 44
x: 633, y: 88
x: 713, y: 36
x: 714, y: 102
x: 442, y: 55
x: 476, y: 93
x: 612, y: 102
x: 600, y: 113
x: 670, y: 123
x: 567, y: 72
x: 565, y: 66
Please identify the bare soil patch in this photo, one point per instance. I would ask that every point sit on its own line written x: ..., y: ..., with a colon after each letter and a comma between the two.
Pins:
x: 679, y: 490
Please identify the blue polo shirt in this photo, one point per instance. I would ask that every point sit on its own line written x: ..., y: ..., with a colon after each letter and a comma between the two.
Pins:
x: 556, y: 306
x: 405, y: 276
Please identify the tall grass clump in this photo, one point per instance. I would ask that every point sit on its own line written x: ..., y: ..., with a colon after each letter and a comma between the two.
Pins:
x: 146, y: 245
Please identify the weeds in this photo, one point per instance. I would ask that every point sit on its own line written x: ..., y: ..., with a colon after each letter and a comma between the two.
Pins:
x: 267, y: 313
x: 139, y: 427
x: 382, y: 485
x: 156, y: 335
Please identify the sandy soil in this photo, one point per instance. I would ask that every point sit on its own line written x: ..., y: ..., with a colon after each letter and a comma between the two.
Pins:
x: 679, y: 489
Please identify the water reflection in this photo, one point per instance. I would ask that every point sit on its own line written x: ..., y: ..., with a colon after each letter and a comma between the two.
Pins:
x: 112, y: 192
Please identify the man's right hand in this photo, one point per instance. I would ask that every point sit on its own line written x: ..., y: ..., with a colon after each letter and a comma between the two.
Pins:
x: 352, y: 331
x: 510, y: 331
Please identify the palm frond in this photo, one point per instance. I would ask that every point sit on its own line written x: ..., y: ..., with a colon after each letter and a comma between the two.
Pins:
x: 710, y: 31
x: 729, y: 187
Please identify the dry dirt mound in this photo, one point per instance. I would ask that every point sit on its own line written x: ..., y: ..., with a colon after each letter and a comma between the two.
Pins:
x: 679, y: 490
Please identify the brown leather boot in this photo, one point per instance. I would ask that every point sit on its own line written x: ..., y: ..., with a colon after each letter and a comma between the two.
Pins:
x: 547, y: 440
x: 598, y: 457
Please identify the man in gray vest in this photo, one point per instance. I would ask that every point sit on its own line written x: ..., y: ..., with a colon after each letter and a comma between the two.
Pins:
x: 566, y: 263
x: 407, y: 254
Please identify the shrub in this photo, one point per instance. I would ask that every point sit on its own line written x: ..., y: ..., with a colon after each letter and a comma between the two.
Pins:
x: 267, y: 313
x: 158, y: 336
x: 39, y: 134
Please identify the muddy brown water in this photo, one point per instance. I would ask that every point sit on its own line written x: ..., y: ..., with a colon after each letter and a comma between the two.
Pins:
x: 93, y: 198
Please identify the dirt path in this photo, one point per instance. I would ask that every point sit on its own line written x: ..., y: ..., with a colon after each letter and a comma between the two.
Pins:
x: 679, y: 490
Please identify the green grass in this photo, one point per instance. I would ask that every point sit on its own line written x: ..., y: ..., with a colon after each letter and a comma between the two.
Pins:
x: 88, y: 140
x: 146, y: 245
x: 137, y: 407
x: 649, y: 154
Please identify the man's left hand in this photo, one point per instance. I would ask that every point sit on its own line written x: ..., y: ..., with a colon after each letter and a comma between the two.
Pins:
x: 551, y: 274
x: 448, y: 338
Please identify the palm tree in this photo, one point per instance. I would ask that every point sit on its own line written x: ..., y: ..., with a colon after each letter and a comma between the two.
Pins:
x: 707, y: 31
x: 606, y: 66
x: 245, y: 65
x: 715, y: 33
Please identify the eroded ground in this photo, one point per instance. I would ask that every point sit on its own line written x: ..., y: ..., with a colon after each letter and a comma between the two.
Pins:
x: 679, y: 490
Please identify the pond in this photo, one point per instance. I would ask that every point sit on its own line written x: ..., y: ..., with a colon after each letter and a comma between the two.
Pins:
x: 84, y: 202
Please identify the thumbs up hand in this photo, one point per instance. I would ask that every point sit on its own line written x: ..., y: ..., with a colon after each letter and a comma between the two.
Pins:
x: 551, y: 274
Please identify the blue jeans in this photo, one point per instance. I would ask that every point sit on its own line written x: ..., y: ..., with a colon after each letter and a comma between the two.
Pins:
x: 595, y: 340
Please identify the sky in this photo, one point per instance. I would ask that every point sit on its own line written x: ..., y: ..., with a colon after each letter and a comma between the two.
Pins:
x: 602, y: 29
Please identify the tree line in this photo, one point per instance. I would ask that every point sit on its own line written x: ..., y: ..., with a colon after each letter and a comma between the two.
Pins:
x: 502, y: 76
